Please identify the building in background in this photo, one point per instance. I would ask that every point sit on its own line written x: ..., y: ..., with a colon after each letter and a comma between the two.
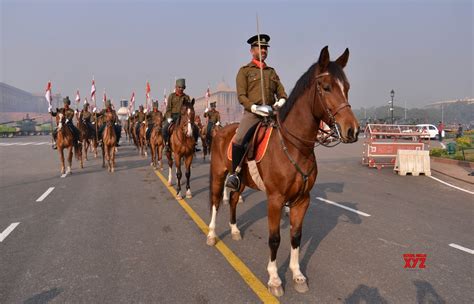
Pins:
x: 16, y: 103
x: 226, y: 102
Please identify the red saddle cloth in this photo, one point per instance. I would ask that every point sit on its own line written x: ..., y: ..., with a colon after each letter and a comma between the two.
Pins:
x: 258, y: 145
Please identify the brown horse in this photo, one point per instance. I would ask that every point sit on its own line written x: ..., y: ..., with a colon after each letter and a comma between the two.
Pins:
x: 127, y: 130
x: 156, y: 142
x: 288, y: 171
x: 87, y: 137
x: 109, y: 141
x: 182, y: 145
x: 131, y: 130
x: 142, y: 142
x: 202, y: 136
x: 65, y: 140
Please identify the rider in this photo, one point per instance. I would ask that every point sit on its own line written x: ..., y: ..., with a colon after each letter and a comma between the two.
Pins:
x: 249, y: 93
x: 140, y: 117
x: 86, y: 116
x: 115, y: 121
x: 213, y: 118
x: 173, y: 111
x: 151, y: 117
x: 69, y: 114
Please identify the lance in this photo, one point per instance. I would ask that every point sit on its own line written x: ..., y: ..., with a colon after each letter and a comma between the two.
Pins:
x: 50, y: 100
x: 260, y: 60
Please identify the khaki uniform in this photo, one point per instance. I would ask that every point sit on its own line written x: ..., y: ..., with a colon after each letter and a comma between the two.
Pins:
x: 69, y: 113
x: 152, y: 116
x: 85, y: 115
x: 173, y: 108
x: 249, y: 92
x: 140, y: 116
x: 213, y: 116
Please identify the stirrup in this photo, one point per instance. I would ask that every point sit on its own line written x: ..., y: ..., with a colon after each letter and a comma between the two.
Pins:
x: 233, y: 182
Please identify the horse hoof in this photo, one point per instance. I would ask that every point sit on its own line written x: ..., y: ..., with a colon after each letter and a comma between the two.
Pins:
x: 112, y: 170
x: 300, y: 285
x: 189, y: 194
x: 236, y: 236
x: 277, y: 291
x: 211, y: 241
x: 241, y: 199
x: 179, y: 196
x: 226, y: 202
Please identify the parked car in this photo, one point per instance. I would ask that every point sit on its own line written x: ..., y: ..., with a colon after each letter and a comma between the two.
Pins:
x: 432, y: 130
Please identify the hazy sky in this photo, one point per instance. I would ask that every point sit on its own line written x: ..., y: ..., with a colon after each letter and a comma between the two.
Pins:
x: 421, y: 49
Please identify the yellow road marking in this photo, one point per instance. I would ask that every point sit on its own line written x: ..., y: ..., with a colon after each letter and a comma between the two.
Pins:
x: 252, y: 281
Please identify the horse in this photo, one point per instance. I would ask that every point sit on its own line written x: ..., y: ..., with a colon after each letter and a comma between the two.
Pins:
x: 141, y: 140
x: 131, y: 130
x: 156, y: 142
x: 202, y: 135
x: 86, y: 136
x: 288, y: 170
x: 109, y: 141
x: 182, y: 145
x: 126, y: 125
x: 65, y: 140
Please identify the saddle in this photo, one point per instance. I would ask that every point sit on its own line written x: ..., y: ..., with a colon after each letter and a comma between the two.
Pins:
x: 258, y: 145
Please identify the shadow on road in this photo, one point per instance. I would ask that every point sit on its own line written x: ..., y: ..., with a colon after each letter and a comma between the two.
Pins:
x: 366, y: 295
x: 44, y: 297
x: 426, y: 294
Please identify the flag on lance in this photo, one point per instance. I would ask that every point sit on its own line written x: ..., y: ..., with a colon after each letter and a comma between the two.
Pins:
x: 132, y: 102
x: 93, y: 90
x: 78, y: 97
x: 85, y: 100
x: 208, y: 95
x: 47, y: 95
x: 105, y: 97
x: 148, y: 89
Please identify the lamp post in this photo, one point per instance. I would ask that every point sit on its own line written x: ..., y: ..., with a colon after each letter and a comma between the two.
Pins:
x: 392, y: 94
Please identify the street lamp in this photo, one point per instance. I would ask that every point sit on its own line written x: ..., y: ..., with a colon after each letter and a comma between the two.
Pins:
x: 392, y: 94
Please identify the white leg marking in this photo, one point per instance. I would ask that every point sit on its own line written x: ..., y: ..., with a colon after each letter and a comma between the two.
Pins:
x: 295, y: 265
x: 274, y: 279
x: 170, y: 176
x: 212, y: 225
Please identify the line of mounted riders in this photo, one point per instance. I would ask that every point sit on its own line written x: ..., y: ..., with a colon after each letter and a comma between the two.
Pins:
x: 146, y: 129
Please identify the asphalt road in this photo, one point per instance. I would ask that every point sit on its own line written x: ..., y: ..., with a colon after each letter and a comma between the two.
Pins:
x: 99, y: 237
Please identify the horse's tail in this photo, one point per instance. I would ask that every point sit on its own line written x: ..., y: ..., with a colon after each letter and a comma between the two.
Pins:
x: 78, y: 150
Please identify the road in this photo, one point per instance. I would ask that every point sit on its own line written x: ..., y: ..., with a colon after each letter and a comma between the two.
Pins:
x: 122, y: 237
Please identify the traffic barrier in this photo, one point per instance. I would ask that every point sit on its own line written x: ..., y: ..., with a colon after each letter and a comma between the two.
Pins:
x: 413, y: 162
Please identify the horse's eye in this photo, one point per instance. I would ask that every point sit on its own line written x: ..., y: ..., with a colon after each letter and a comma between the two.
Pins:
x: 327, y: 88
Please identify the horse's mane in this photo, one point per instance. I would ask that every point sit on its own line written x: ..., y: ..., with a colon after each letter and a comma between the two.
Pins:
x: 305, y: 82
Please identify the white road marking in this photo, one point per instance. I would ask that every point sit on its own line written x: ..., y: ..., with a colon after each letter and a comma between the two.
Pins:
x: 448, y: 184
x: 7, y: 231
x: 462, y: 248
x: 42, y: 197
x: 5, y: 144
x: 342, y: 206
x: 41, y: 143
x: 26, y: 143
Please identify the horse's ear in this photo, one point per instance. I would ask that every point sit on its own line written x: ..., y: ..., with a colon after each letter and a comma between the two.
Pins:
x: 192, y: 102
x: 342, y: 60
x: 323, y: 60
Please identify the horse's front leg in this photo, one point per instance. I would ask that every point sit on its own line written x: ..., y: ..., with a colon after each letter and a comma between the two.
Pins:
x: 86, y: 147
x: 69, y: 159
x: 187, y: 163
x: 274, y: 216
x: 170, y: 168
x: 61, y: 157
x: 297, y: 214
x: 103, y: 155
x: 179, y: 174
x: 112, y: 160
x: 234, y: 200
x: 160, y: 156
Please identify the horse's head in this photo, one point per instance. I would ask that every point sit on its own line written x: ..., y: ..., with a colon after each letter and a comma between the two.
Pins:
x: 332, y: 87
x: 187, y: 117
x: 60, y: 118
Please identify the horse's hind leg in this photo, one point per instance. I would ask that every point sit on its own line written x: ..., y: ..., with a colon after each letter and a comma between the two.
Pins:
x: 235, y: 232
x: 112, y: 161
x: 103, y: 156
x: 274, y: 217
x: 61, y: 156
x: 69, y: 160
x: 297, y: 214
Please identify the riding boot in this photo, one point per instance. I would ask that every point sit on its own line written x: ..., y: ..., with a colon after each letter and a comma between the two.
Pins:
x: 233, y: 180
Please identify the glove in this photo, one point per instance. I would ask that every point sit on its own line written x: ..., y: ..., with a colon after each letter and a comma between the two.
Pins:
x: 143, y: 122
x: 67, y: 120
x: 218, y: 123
x: 76, y: 111
x: 145, y: 111
x: 170, y: 120
x: 50, y: 109
x: 94, y: 110
x: 116, y: 123
x: 263, y: 110
x: 279, y: 103
x: 206, y: 110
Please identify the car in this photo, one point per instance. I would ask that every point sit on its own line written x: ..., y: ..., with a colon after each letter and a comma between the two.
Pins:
x: 432, y: 130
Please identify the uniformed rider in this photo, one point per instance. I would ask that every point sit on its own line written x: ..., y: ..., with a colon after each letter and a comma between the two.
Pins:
x: 115, y: 120
x: 140, y: 117
x: 213, y: 118
x: 173, y: 111
x: 249, y: 93
x: 69, y: 115
x: 151, y: 118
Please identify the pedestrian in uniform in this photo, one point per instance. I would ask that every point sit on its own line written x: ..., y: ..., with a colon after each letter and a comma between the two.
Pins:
x: 249, y: 93
x: 213, y: 118
x: 69, y: 114
x: 173, y: 111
